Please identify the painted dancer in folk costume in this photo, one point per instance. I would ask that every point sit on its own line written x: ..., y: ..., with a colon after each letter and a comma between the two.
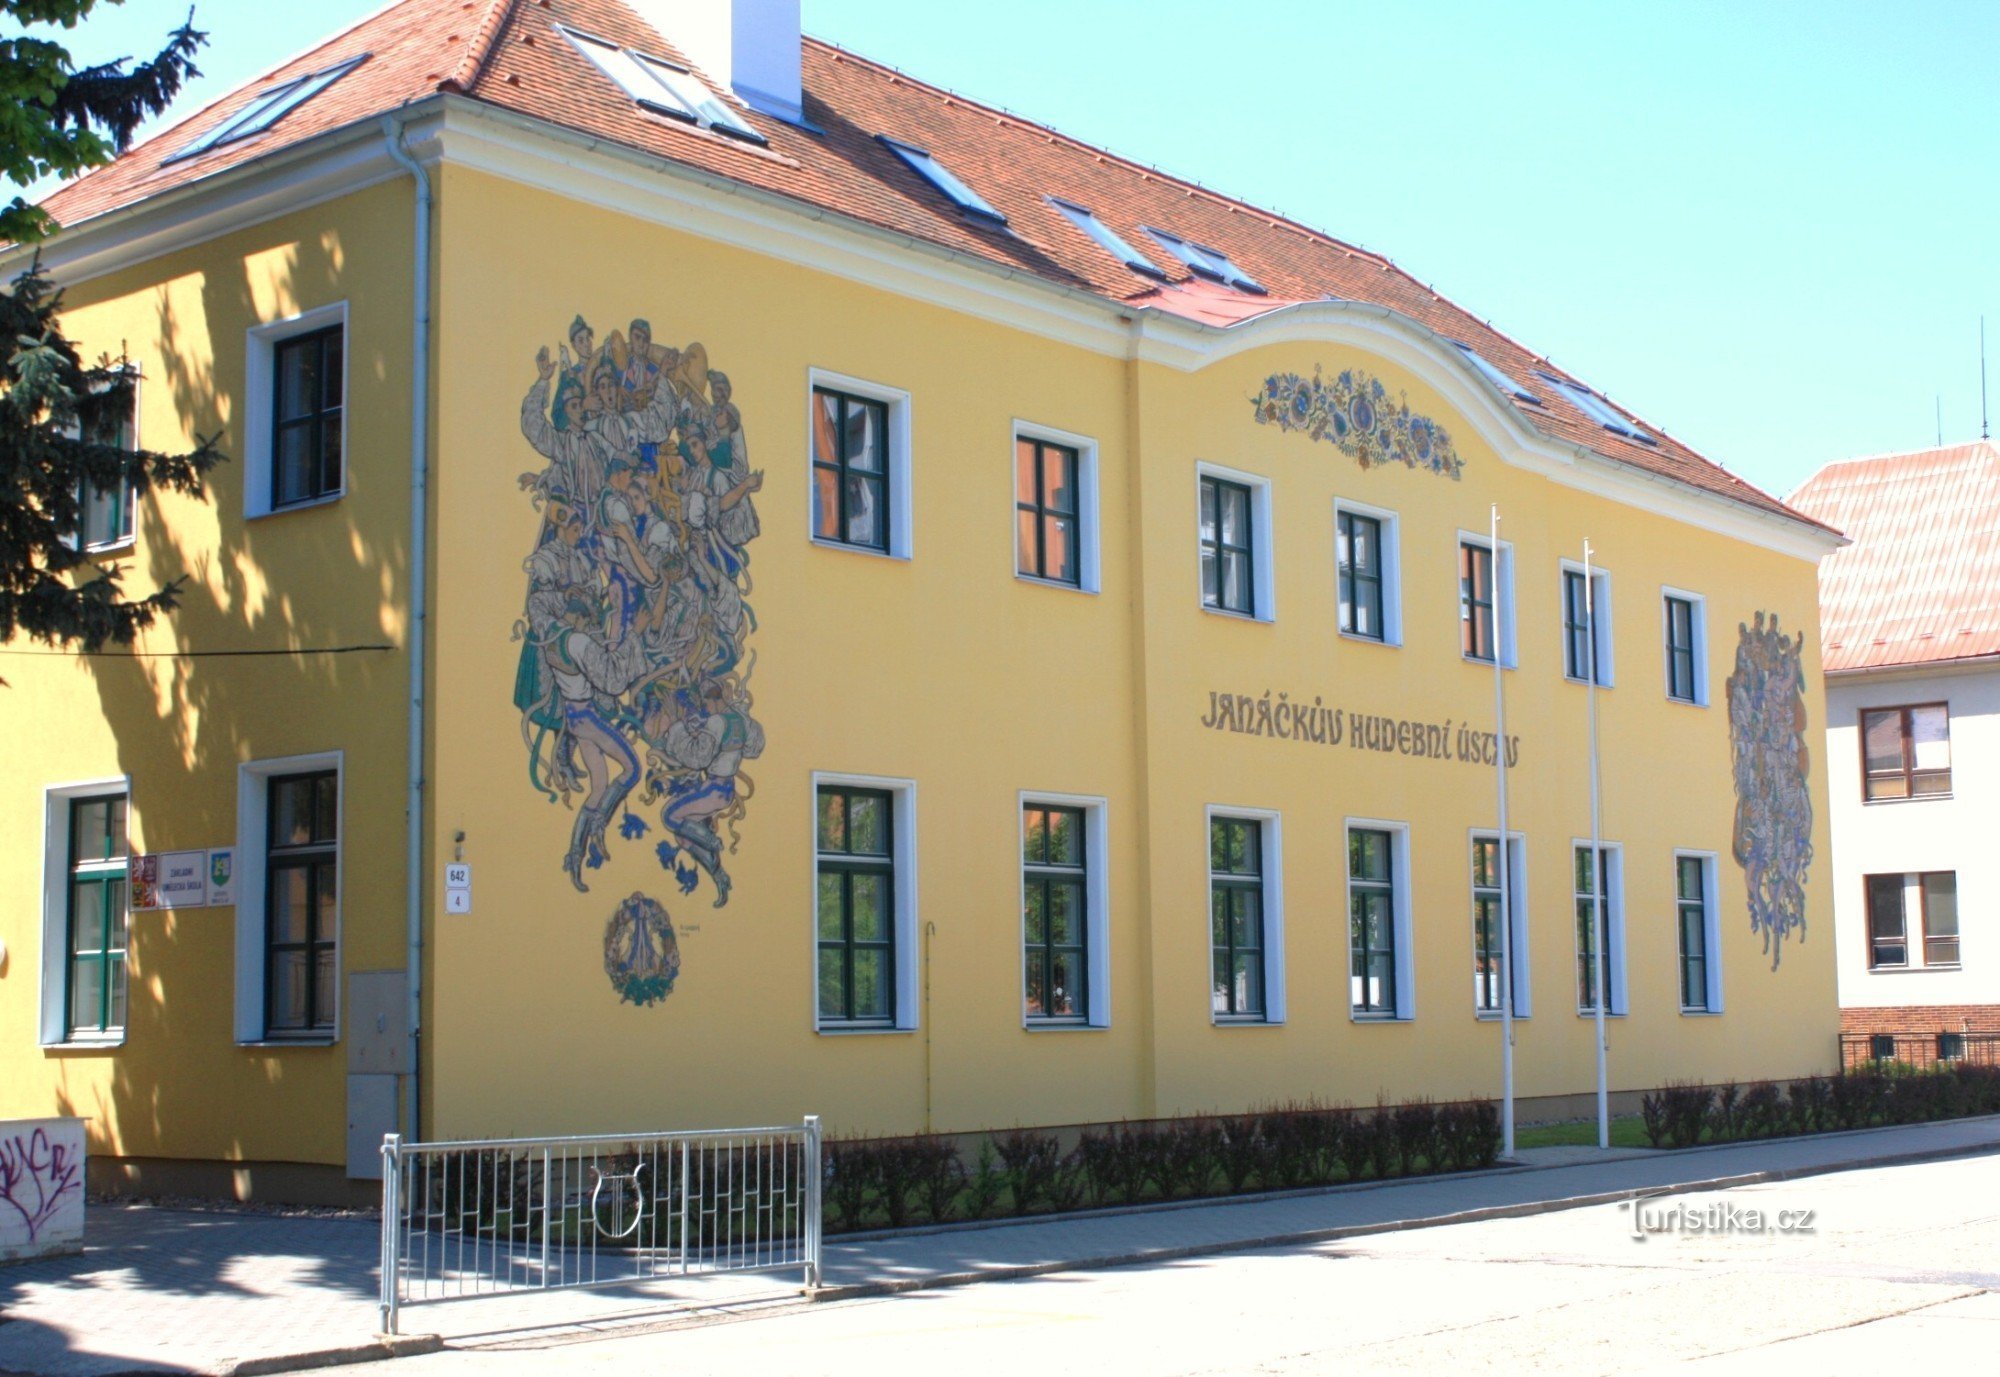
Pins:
x: 591, y: 677
x: 575, y: 474
x: 704, y: 751
x: 630, y: 573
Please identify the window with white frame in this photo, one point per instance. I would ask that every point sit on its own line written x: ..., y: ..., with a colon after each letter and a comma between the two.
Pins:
x: 859, y: 440
x: 290, y: 864
x: 1486, y: 599
x: 1698, y: 932
x: 105, y: 511
x: 1684, y: 622
x: 295, y: 411
x: 1234, y: 541
x: 1488, y: 958
x: 1600, y: 927
x: 1065, y: 967
x: 85, y: 914
x: 1367, y: 549
x: 1380, y: 969
x: 1055, y: 507
x: 1246, y: 917
x: 1586, y: 621
x: 864, y: 906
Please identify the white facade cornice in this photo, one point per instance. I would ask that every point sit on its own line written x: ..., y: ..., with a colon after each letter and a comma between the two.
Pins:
x: 461, y: 132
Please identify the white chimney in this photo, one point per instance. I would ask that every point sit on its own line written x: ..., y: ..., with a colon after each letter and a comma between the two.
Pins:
x: 752, y: 46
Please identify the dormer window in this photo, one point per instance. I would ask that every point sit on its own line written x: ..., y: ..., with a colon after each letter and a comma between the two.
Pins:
x: 1107, y: 238
x: 1508, y: 387
x: 1599, y: 410
x: 663, y: 87
x: 270, y: 107
x: 940, y: 176
x: 1203, y: 261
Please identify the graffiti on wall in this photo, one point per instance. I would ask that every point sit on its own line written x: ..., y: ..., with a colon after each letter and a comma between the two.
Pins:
x: 1772, y: 839
x: 1356, y: 413
x: 38, y: 1177
x: 634, y: 683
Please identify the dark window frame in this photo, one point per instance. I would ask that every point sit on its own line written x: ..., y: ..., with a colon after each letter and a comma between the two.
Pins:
x: 1363, y: 957
x: 1487, y: 961
x: 1040, y: 875
x: 1683, y: 666
x: 328, y: 467
x: 1472, y: 645
x: 846, y: 476
x: 1356, y: 580
x: 1215, y: 550
x: 1035, y: 564
x: 1692, y: 915
x: 1871, y: 885
x: 110, y: 883
x: 848, y: 863
x: 316, y: 856
x: 1907, y: 773
x: 1234, y: 885
x: 1587, y: 965
x: 1924, y: 877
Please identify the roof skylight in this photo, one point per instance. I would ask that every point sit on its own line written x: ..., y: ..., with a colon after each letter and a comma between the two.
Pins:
x: 662, y: 86
x: 940, y: 176
x: 1492, y: 374
x: 1600, y: 410
x: 1107, y: 238
x: 268, y: 108
x: 1209, y: 263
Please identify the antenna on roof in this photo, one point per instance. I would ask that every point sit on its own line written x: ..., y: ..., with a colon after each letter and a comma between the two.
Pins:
x: 1985, y: 432
x: 1939, y: 398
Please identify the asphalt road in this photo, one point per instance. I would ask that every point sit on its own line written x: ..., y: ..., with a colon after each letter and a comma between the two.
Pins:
x: 1862, y: 1272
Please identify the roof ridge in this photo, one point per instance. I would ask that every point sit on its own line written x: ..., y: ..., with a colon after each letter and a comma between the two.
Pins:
x: 478, y: 48
x: 1276, y: 218
x: 1984, y: 442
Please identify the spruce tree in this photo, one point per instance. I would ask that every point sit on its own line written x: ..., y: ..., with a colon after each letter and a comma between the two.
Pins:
x: 61, y: 436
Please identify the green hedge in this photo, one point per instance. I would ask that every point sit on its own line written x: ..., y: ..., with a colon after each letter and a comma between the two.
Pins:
x: 1682, y: 1114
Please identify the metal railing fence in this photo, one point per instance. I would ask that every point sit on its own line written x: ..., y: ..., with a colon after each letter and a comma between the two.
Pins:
x: 1942, y: 1048
x: 500, y: 1216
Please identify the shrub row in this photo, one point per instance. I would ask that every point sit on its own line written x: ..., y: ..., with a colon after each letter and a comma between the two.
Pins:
x: 1681, y: 1114
x: 896, y: 1182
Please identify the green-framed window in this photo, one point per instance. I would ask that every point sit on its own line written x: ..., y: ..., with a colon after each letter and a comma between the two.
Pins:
x: 302, y: 903
x: 1228, y: 546
x: 1055, y: 884
x: 1358, y: 551
x: 1578, y: 661
x: 1048, y: 511
x: 856, y: 879
x: 309, y: 374
x: 94, y: 960
x: 1236, y: 909
x: 1691, y: 899
x: 850, y: 469
x: 1371, y: 927
x: 1478, y: 631
x: 1681, y: 620
x: 1487, y: 958
x: 1593, y: 888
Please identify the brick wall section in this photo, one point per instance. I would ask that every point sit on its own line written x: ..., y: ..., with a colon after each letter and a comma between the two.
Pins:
x: 1923, y: 1018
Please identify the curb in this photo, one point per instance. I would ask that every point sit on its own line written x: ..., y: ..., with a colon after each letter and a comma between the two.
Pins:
x: 381, y: 1347
x: 1522, y: 1210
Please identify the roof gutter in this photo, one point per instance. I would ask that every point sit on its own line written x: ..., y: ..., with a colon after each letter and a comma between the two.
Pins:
x: 395, y: 136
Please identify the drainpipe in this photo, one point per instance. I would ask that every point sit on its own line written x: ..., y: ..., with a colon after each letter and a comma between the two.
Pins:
x: 395, y: 132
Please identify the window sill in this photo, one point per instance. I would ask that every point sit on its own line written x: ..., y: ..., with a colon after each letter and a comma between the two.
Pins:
x: 308, y: 505
x: 1478, y: 663
x: 854, y: 1030
x: 1236, y: 616
x: 1493, y: 1016
x: 1060, y: 585
x: 847, y: 547
x: 1242, y: 1021
x: 1913, y: 798
x: 319, y: 1040
x: 1915, y: 970
x: 113, y: 547
x: 1701, y: 1013
x: 1058, y: 1025
x: 106, y: 1042
x: 1353, y: 1017
x: 1360, y: 639
x: 1585, y: 683
x: 1687, y: 702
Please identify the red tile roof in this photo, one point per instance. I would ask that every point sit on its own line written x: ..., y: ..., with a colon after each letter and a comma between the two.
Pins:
x: 509, y: 54
x: 1921, y: 582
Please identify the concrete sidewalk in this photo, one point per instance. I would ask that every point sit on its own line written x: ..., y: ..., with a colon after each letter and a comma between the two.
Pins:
x: 233, y: 1292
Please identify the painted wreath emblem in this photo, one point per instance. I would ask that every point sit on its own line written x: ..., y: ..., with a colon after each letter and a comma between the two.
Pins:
x: 641, y: 955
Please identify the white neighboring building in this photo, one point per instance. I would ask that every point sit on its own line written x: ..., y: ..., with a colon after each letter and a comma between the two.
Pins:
x: 1910, y: 625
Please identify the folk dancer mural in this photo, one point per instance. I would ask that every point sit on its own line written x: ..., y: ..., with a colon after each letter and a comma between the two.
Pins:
x: 633, y: 683
x: 1772, y: 839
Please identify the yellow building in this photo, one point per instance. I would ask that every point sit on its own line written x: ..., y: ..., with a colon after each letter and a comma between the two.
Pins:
x: 855, y: 603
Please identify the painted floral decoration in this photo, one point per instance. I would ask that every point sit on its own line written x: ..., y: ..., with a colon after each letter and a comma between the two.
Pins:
x: 1355, y: 412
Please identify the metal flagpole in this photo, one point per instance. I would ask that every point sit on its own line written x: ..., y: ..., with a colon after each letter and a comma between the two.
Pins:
x: 1597, y: 876
x: 1506, y: 886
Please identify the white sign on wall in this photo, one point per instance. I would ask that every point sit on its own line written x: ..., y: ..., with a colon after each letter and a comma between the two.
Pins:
x: 183, y: 879
x: 458, y: 887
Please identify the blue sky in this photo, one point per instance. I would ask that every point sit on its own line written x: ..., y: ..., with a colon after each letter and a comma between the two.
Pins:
x: 1770, y: 228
